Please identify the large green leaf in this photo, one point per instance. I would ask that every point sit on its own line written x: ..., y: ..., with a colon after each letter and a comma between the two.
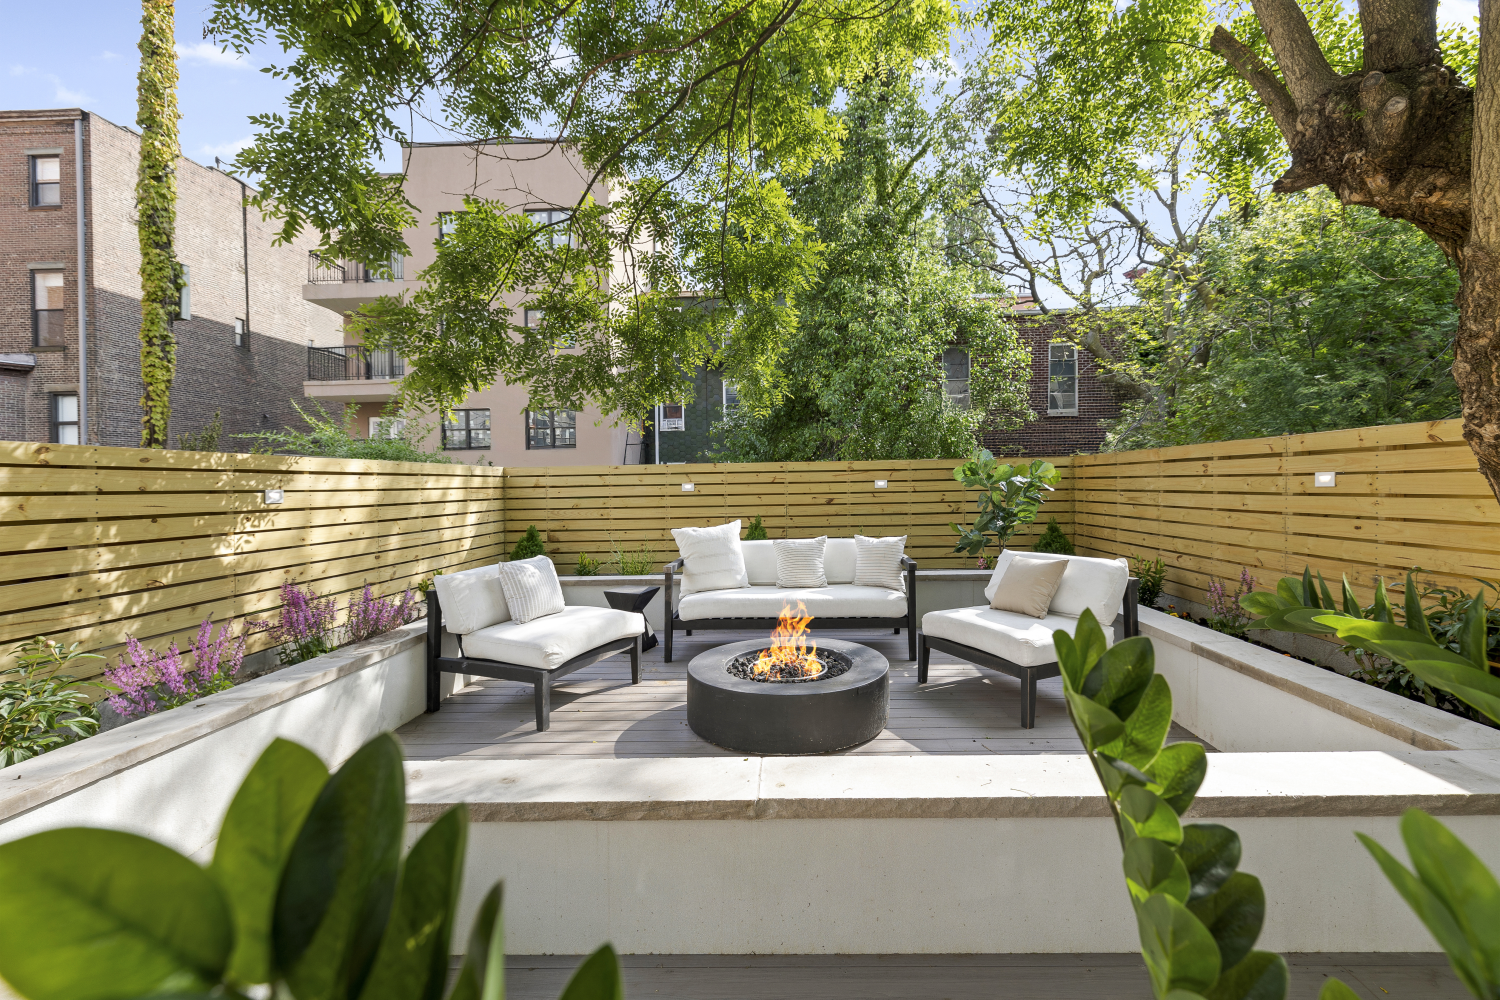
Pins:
x: 1260, y: 975
x: 1150, y: 816
x: 1233, y: 915
x: 1153, y: 868
x: 1261, y: 602
x: 412, y: 963
x: 1180, y: 953
x: 103, y: 915
x: 339, y: 880
x: 1128, y: 669
x: 1096, y: 724
x: 1146, y: 726
x: 1334, y: 989
x: 1479, y: 690
x: 1117, y: 774
x: 1078, y: 654
x: 1457, y: 877
x: 1416, y: 619
x: 1179, y: 770
x: 254, y: 842
x: 598, y: 978
x: 482, y: 976
x: 1466, y: 962
x: 1473, y: 634
x: 1211, y: 854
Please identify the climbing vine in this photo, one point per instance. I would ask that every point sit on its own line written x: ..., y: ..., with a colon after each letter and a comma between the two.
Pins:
x: 156, y: 211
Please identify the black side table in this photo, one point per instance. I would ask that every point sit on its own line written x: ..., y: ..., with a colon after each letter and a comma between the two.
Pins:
x: 634, y: 599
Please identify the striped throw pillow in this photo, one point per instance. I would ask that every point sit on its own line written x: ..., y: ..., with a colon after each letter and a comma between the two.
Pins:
x: 877, y: 562
x: 799, y: 561
x: 531, y: 588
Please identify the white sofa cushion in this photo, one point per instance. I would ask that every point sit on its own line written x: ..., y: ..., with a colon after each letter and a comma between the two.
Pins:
x: 799, y: 561
x: 839, y: 560
x: 1021, y: 639
x: 472, y: 599
x: 1088, y: 582
x: 713, y: 558
x: 877, y: 562
x: 760, y: 562
x: 531, y: 588
x: 837, y: 600
x: 552, y: 640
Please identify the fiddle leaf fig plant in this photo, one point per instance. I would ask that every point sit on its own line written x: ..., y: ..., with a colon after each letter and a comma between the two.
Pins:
x: 307, y: 898
x: 1197, y: 914
x: 1010, y: 496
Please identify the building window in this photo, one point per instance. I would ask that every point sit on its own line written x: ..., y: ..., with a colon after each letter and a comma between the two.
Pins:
x: 673, y: 417
x: 65, y: 418
x: 447, y: 224
x: 47, y: 309
x: 558, y: 220
x: 465, y: 430
x: 1062, y: 380
x: 533, y: 320
x: 956, y: 376
x: 46, y: 181
x: 731, y: 398
x: 239, y: 333
x: 185, y: 295
x: 390, y: 428
x: 551, y: 429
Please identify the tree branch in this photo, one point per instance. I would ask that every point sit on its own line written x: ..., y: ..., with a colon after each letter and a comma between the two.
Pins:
x: 1399, y: 34
x: 1258, y: 75
x: 1298, y: 54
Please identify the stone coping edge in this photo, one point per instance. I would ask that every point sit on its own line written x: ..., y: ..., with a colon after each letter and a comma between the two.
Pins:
x: 1419, y: 725
x: 35, y: 782
x: 1357, y: 783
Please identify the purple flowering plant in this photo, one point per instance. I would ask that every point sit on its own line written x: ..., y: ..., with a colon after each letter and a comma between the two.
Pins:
x: 305, y: 628
x: 369, y: 616
x: 1224, y: 611
x: 145, y: 681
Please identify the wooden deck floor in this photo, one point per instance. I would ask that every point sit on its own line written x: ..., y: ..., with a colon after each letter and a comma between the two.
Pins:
x: 597, y: 712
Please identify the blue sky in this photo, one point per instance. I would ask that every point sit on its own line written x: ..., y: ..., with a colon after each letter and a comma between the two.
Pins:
x: 83, y: 54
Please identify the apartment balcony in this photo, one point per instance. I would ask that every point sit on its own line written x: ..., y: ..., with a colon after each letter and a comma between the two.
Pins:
x: 352, y: 374
x: 345, y: 285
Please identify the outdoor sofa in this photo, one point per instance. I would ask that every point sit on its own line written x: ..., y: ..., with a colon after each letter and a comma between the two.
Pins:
x: 1022, y: 645
x: 840, y: 604
x: 479, y: 627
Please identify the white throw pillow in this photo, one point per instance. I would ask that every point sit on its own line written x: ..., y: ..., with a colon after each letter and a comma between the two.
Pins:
x: 799, y: 561
x: 1088, y: 582
x: 531, y: 588
x: 877, y: 562
x: 471, y: 600
x: 713, y: 558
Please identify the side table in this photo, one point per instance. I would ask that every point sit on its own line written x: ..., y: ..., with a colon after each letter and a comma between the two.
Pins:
x: 634, y: 599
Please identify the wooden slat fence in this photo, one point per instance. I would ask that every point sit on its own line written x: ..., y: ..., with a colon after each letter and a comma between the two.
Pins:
x: 595, y: 509
x: 98, y: 543
x: 1405, y: 495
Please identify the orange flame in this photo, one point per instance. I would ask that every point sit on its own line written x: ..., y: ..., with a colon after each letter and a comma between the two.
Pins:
x: 791, y: 654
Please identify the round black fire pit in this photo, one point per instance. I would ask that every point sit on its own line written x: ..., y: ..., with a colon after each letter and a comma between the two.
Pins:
x: 843, y: 708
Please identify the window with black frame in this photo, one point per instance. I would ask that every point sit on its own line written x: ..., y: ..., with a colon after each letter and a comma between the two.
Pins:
x: 1062, y: 380
x: 551, y: 429
x: 557, y: 219
x: 447, y: 224
x: 47, y: 309
x: 64, y: 418
x: 466, y: 430
x: 956, y: 376
x: 46, y: 181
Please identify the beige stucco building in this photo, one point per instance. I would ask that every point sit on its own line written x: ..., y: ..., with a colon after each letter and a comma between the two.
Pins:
x: 494, y: 425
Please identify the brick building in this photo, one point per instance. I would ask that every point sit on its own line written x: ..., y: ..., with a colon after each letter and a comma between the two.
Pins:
x: 242, y: 344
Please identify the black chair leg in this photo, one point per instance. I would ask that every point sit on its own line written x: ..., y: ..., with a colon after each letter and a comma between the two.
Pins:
x: 635, y: 661
x: 434, y: 687
x: 688, y: 632
x: 911, y: 642
x: 543, y: 693
x: 896, y: 630
x: 1028, y: 700
x: 668, y: 627
x: 924, y: 653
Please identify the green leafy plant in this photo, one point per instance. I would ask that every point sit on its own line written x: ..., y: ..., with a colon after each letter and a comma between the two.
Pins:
x: 307, y: 893
x: 1225, y: 612
x: 156, y: 216
x: 1053, y: 540
x: 1152, y: 574
x: 206, y: 438
x: 756, y: 532
x: 1198, y: 916
x: 640, y: 562
x: 423, y: 586
x: 1010, y: 496
x: 529, y: 545
x: 332, y: 436
x: 587, y: 565
x: 41, y: 709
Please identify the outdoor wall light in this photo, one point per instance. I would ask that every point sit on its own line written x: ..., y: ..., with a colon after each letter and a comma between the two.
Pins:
x: 880, y: 484
x: 1325, y: 478
x: 275, y: 496
x: 687, y: 487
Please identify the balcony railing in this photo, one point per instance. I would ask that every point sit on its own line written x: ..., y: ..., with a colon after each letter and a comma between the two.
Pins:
x: 321, y: 270
x: 333, y: 364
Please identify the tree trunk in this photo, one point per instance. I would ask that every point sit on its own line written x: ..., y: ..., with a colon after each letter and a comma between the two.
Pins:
x: 1476, y: 366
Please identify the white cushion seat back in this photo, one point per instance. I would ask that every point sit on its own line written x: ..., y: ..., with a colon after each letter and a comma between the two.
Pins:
x: 552, y: 640
x: 760, y: 562
x: 837, y: 600
x: 531, y: 588
x: 472, y: 599
x: 712, y: 558
x: 838, y: 560
x: 1088, y: 582
x: 1021, y: 639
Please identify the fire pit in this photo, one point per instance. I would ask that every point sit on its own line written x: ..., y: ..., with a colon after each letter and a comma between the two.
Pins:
x: 788, y: 695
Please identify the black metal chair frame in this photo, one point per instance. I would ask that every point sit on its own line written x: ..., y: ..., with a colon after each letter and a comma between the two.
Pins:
x: 907, y: 621
x: 1126, y: 622
x: 539, y: 678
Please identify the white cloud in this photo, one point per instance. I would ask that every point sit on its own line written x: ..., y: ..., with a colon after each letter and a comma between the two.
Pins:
x: 211, y: 54
x: 67, y: 96
x: 227, y: 150
x: 107, y: 55
x: 18, y: 70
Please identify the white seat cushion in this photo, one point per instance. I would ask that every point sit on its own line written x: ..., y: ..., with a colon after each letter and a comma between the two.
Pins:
x: 552, y: 640
x: 838, y: 600
x: 471, y: 600
x: 1021, y: 639
x: 1086, y: 583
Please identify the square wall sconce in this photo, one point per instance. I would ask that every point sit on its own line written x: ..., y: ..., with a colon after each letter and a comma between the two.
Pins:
x: 687, y: 487
x: 880, y: 484
x: 275, y: 496
x: 1325, y: 479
